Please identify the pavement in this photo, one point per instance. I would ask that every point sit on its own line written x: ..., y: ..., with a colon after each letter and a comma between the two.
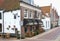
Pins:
x: 36, y: 40
x: 51, y: 35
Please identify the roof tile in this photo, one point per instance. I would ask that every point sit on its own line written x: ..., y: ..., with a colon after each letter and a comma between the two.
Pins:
x: 9, y: 4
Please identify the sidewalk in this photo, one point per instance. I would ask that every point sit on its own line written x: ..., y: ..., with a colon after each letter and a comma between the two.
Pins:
x: 53, y: 34
x: 36, y: 40
x: 46, y: 33
x: 11, y: 38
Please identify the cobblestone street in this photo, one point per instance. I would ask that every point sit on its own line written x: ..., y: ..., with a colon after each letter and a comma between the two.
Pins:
x: 36, y: 40
x: 51, y: 35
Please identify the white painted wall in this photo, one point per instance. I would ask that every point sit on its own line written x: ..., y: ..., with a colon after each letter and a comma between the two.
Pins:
x: 46, y: 25
x: 9, y: 20
x: 1, y: 20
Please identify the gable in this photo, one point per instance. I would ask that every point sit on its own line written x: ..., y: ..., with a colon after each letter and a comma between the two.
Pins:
x: 45, y: 10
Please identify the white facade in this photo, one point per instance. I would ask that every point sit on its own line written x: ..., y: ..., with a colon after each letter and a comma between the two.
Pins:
x: 1, y: 20
x: 10, y: 23
x: 46, y: 23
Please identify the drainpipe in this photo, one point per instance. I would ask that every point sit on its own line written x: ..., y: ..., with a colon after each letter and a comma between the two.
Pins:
x: 3, y: 24
x: 20, y: 24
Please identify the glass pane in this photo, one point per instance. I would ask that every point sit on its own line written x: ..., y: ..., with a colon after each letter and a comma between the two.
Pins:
x: 0, y: 27
x: 0, y: 15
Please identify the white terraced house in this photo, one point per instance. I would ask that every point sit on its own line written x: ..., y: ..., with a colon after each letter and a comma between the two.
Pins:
x: 10, y: 21
x: 46, y: 17
x: 10, y: 17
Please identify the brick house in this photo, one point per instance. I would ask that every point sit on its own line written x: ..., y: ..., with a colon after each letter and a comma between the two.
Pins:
x: 59, y: 21
x: 30, y: 17
x: 54, y: 17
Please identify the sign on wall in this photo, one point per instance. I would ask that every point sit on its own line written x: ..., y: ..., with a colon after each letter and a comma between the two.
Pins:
x: 21, y: 23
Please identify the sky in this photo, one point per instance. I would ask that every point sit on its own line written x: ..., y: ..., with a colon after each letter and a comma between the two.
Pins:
x: 55, y: 4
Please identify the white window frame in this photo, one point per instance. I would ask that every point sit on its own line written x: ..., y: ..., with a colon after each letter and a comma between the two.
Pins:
x: 26, y: 12
x: 30, y: 13
x: 1, y: 15
x: 48, y: 23
x: 38, y: 15
x: 15, y: 14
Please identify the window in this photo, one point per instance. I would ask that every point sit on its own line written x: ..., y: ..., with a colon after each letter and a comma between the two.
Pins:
x: 0, y: 27
x: 14, y: 16
x: 0, y: 15
x: 46, y: 24
x: 35, y: 14
x: 38, y: 15
x: 30, y: 14
x: 25, y: 13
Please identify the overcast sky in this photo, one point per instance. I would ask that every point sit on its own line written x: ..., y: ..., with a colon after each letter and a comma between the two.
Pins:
x: 55, y: 4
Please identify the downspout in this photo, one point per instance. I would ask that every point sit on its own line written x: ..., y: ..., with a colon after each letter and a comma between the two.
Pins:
x: 50, y: 15
x: 3, y: 24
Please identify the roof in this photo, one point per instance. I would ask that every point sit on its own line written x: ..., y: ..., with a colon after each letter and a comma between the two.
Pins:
x: 45, y: 9
x: 9, y: 4
x: 30, y: 4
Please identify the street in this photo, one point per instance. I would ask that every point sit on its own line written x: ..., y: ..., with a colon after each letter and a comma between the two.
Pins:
x: 51, y: 35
